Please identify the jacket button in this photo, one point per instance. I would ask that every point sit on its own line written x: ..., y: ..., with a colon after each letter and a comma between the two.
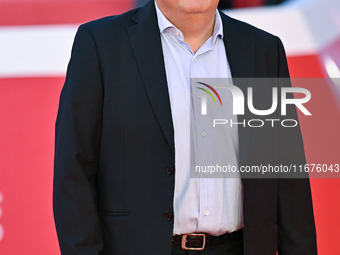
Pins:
x: 167, y: 215
x: 170, y: 170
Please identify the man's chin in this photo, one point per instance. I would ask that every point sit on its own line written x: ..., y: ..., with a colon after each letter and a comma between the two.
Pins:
x: 197, y: 7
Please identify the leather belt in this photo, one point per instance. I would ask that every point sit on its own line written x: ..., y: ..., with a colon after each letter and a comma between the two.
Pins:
x: 198, y: 241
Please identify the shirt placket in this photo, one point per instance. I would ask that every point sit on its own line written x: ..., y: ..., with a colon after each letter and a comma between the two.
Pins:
x: 202, y: 141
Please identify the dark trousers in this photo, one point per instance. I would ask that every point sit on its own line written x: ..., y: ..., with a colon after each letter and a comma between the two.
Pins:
x: 232, y: 248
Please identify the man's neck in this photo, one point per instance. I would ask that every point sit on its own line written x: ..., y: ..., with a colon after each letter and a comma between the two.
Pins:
x: 196, y: 27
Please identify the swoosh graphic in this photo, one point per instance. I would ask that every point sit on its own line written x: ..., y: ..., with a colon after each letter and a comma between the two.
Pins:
x: 212, y: 90
x: 208, y: 93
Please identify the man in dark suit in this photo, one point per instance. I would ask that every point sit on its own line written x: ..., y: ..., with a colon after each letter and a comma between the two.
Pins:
x: 114, y: 180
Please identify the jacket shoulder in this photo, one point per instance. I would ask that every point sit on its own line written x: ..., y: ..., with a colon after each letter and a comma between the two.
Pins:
x: 247, y: 30
x: 109, y: 24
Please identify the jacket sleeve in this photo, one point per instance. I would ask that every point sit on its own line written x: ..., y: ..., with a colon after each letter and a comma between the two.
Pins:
x: 296, y: 227
x: 77, y: 139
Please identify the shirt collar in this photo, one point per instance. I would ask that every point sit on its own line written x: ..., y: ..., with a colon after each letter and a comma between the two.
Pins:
x: 164, y: 23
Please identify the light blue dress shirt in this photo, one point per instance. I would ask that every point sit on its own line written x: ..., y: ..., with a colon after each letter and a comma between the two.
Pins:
x: 209, y: 205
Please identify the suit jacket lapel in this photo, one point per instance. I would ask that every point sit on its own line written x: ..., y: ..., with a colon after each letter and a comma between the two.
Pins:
x: 147, y: 48
x: 241, y: 58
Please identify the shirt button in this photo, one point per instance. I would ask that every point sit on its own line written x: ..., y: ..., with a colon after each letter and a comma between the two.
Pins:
x: 203, y: 133
x: 206, y: 212
x: 199, y: 95
x: 195, y: 59
x: 177, y: 33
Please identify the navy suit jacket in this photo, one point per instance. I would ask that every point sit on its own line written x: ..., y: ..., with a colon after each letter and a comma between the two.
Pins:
x: 114, y: 145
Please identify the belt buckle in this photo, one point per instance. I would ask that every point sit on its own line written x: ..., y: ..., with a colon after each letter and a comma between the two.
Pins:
x: 184, y: 240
